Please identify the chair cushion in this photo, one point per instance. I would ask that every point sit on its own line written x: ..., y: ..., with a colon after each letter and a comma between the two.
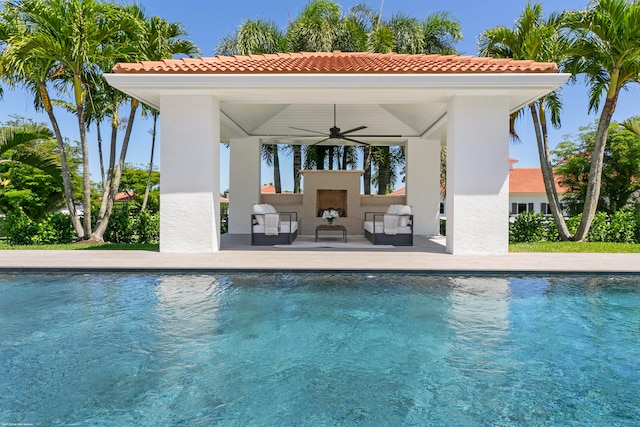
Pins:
x: 404, y: 212
x: 378, y: 228
x: 284, y: 227
x: 260, y: 209
x: 403, y: 221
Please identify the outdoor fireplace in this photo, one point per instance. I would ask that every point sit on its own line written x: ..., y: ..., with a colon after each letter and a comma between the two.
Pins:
x: 331, y: 199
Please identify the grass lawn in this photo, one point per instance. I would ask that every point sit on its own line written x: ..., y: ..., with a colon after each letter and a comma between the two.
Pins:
x: 513, y: 247
x: 601, y: 247
x: 84, y: 247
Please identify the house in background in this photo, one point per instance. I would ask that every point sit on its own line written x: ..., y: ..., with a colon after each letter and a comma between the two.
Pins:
x: 526, y: 191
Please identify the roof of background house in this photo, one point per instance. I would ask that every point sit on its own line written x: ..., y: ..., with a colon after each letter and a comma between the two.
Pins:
x: 521, y: 180
x: 267, y: 188
x: 529, y: 180
x: 336, y: 62
x: 124, y: 196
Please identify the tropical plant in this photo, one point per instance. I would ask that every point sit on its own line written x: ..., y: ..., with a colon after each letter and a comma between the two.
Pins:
x: 30, y: 177
x: 620, y: 170
x: 535, y: 38
x: 606, y: 52
x: 253, y: 37
x: 72, y: 37
x: 19, y: 67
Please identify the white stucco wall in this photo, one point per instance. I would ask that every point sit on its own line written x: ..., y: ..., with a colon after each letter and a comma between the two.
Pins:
x: 244, y: 182
x: 190, y: 178
x: 423, y: 185
x: 478, y: 175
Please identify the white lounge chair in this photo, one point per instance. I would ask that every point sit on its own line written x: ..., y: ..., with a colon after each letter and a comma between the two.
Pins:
x: 393, y: 227
x: 270, y: 227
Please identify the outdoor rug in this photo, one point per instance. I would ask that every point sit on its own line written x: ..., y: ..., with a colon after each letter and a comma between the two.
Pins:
x: 335, y: 244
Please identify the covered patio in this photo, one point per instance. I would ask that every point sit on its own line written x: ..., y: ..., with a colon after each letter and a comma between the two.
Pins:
x: 420, y: 101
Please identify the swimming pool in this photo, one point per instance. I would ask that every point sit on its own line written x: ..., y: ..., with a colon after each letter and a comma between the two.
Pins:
x: 318, y: 349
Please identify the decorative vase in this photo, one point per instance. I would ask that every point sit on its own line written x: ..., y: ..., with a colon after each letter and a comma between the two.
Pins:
x: 330, y: 221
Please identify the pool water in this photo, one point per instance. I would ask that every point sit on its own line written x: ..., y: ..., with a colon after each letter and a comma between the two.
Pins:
x: 318, y: 350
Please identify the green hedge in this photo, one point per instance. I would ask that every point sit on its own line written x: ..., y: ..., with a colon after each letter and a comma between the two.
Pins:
x: 622, y: 227
x: 124, y: 227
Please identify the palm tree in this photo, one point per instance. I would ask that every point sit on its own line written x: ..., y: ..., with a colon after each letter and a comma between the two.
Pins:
x: 253, y: 37
x: 534, y: 38
x: 19, y: 68
x: 606, y: 51
x: 632, y: 125
x: 75, y: 36
x: 271, y: 158
x: 318, y: 28
x: 12, y: 138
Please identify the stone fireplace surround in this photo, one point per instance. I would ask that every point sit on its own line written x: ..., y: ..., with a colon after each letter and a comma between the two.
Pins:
x: 324, y: 186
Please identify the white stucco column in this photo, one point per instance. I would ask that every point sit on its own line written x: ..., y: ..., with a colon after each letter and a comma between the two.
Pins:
x: 244, y: 182
x: 478, y: 175
x: 189, y: 174
x: 423, y: 185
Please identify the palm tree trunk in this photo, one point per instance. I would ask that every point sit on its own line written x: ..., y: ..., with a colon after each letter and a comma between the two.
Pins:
x: 112, y: 160
x: 86, y: 173
x: 383, y: 170
x: 107, y: 202
x: 66, y: 176
x: 98, y: 131
x: 367, y: 169
x: 540, y: 127
x: 153, y: 146
x: 597, y: 159
x: 276, y: 170
x: 332, y: 151
x: 297, y: 165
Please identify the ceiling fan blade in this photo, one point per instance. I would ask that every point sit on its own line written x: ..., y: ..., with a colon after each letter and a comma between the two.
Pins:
x: 378, y: 136
x: 353, y: 140
x: 354, y: 129
x: 309, y: 130
x: 322, y: 140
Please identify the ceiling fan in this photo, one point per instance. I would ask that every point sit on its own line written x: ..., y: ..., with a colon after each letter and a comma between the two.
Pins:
x: 336, y: 134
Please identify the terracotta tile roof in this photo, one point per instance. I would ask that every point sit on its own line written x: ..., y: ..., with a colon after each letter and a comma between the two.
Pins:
x: 336, y: 62
x: 529, y: 180
x: 521, y: 180
x: 124, y: 196
x: 268, y: 189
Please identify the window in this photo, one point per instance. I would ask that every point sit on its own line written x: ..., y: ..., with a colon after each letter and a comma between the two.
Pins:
x: 518, y: 208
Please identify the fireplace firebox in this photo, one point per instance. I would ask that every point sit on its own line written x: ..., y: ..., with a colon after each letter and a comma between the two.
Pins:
x: 331, y: 199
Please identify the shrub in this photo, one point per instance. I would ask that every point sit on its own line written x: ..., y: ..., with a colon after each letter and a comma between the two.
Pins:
x: 121, y: 228
x: 19, y: 228
x: 573, y: 222
x: 526, y: 227
x: 147, y: 227
x: 599, y: 231
x: 55, y: 228
x: 623, y: 227
x: 551, y: 233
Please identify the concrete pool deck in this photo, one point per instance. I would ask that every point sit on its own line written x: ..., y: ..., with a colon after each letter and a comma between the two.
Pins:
x: 427, y: 255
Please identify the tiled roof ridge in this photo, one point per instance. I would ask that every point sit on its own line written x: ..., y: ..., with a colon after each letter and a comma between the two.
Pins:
x: 337, y: 62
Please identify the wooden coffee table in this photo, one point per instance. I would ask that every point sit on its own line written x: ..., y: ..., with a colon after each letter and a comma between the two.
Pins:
x: 330, y: 228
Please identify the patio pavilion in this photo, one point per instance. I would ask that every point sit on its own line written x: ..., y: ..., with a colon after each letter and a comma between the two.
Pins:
x: 420, y: 101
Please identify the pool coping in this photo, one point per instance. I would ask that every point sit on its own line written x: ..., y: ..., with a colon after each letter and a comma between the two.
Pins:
x: 324, y: 260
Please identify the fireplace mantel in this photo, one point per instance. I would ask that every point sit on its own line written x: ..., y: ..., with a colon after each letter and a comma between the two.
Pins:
x: 338, y: 189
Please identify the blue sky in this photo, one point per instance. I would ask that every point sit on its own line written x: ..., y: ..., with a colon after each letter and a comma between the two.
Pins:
x: 209, y: 20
